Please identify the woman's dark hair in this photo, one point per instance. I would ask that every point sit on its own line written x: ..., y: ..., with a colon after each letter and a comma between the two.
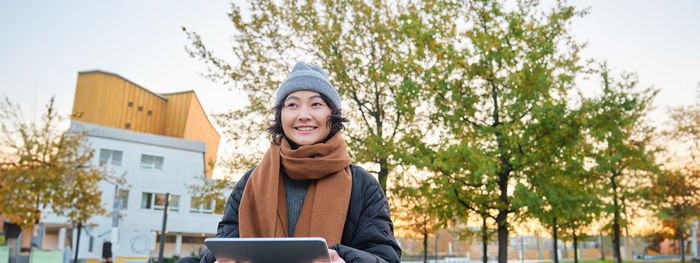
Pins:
x: 335, y: 121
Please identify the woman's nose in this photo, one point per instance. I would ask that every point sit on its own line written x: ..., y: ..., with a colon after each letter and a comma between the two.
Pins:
x: 304, y: 114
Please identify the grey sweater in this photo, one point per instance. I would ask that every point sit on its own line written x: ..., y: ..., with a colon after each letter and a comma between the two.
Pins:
x: 295, y: 192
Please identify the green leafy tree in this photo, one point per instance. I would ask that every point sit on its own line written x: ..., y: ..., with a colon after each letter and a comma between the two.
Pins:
x: 675, y: 193
x: 211, y: 190
x: 451, y: 205
x: 563, y: 193
x: 359, y: 43
x: 576, y: 224
x: 567, y: 205
x: 412, y: 211
x: 676, y: 197
x: 45, y: 169
x: 623, y: 152
x: 499, y: 82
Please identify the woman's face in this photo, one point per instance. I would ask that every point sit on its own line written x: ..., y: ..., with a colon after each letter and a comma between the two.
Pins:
x: 305, y: 117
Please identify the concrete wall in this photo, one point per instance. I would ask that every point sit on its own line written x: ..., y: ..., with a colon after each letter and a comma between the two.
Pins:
x: 180, y: 168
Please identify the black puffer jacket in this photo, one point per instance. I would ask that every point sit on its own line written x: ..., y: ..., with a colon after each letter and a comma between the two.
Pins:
x: 368, y: 235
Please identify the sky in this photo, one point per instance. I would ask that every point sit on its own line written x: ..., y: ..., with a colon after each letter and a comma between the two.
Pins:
x: 44, y: 44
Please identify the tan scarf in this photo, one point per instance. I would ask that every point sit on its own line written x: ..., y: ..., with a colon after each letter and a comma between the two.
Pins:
x: 263, y: 208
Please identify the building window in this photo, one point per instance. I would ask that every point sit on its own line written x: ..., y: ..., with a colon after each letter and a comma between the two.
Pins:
x: 151, y: 162
x: 147, y: 201
x: 140, y: 108
x: 156, y: 201
x: 128, y: 125
x: 131, y: 104
x: 124, y: 196
x: 205, y: 207
x: 112, y: 157
x: 150, y: 112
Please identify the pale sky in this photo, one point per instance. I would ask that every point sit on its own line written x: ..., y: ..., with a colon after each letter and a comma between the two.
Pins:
x: 44, y: 44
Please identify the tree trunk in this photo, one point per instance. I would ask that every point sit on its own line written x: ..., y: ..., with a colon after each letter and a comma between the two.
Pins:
x: 681, y: 246
x: 555, y: 256
x: 77, y: 243
x: 33, y: 235
x: 425, y: 245
x: 616, y: 222
x: 616, y: 238
x: 502, y: 217
x: 484, y: 239
x: 383, y: 173
x: 575, y: 248
x: 503, y: 175
x: 502, y: 237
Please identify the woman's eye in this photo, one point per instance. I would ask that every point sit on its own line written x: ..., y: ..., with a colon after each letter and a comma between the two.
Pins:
x: 316, y: 104
x: 291, y: 105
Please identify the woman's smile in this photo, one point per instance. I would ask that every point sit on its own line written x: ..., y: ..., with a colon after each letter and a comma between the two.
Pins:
x: 305, y: 129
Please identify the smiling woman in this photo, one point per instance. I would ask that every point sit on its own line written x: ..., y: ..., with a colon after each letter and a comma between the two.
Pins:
x: 306, y: 184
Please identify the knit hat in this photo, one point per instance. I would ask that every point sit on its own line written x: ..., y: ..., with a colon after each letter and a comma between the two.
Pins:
x: 308, y: 77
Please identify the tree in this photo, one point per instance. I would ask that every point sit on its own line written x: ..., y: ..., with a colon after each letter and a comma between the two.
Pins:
x: 567, y: 205
x: 211, y: 190
x: 411, y: 210
x: 359, y: 43
x: 622, y: 137
x: 45, y: 169
x: 577, y: 224
x: 675, y: 193
x: 500, y: 82
x: 676, y: 197
x: 685, y: 129
x: 452, y: 205
x: 564, y: 193
x: 657, y: 234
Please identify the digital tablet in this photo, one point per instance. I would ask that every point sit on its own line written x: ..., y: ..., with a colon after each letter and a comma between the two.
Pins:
x: 269, y: 250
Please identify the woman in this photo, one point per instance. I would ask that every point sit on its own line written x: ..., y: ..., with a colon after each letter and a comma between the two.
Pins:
x: 306, y: 185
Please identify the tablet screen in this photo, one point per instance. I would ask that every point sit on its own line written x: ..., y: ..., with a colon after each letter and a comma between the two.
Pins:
x: 269, y: 250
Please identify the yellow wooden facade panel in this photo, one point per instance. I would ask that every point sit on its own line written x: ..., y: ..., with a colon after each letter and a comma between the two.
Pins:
x: 78, y: 111
x: 117, y: 93
x: 178, y: 106
x: 82, y: 99
x: 103, y: 98
x: 170, y: 111
x: 123, y: 119
x: 90, y: 101
x: 199, y: 128
x: 138, y: 115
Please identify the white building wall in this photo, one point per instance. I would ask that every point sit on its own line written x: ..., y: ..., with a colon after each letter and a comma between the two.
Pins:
x: 138, y: 226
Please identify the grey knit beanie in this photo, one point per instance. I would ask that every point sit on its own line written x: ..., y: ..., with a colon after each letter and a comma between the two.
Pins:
x: 308, y: 77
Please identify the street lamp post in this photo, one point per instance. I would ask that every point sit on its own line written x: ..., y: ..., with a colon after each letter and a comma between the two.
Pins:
x: 162, y: 231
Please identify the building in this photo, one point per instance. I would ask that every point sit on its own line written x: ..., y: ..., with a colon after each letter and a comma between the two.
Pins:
x: 110, y: 100
x: 160, y: 143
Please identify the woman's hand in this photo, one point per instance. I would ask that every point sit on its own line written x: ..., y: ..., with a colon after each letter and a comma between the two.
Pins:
x: 335, y: 258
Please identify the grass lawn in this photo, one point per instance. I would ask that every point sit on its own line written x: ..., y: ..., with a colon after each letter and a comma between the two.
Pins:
x: 611, y: 261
